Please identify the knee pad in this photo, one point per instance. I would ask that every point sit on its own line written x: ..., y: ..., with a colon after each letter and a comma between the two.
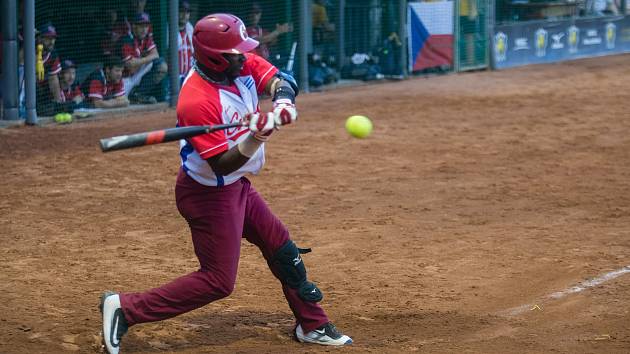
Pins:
x: 292, y: 272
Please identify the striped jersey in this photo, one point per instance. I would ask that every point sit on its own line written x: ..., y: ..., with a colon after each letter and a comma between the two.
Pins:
x: 202, y: 102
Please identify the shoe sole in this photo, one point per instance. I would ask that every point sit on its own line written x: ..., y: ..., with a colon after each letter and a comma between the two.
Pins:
x: 332, y: 344
x: 104, y: 296
x: 303, y: 339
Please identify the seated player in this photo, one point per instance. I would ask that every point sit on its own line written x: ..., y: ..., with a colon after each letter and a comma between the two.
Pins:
x: 47, y: 90
x: 145, y: 72
x: 184, y: 41
x: 104, y: 87
x: 71, y: 95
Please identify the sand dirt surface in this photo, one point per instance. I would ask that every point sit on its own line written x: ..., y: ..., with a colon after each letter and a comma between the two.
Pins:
x: 477, y: 196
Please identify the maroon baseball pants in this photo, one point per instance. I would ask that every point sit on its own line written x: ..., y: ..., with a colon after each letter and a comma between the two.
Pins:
x: 218, y: 218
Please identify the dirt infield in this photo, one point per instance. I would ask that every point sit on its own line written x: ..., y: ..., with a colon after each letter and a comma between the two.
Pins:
x: 477, y: 197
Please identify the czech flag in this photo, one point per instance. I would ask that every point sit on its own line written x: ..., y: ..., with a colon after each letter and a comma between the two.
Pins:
x: 430, y: 26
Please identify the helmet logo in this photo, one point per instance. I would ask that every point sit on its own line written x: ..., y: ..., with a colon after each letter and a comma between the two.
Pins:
x: 243, y: 31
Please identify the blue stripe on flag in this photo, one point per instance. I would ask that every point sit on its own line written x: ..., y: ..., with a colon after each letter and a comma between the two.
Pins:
x: 419, y: 35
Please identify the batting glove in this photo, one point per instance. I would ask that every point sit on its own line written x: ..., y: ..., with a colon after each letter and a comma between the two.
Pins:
x: 260, y: 124
x: 284, y: 112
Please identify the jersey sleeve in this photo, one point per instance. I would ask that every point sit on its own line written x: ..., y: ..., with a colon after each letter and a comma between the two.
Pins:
x: 119, y: 89
x: 261, y: 70
x: 54, y: 66
x: 127, y: 50
x: 77, y: 92
x: 149, y: 44
x: 190, y: 113
x: 95, y: 90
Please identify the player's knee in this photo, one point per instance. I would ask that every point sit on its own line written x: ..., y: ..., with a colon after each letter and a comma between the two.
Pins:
x: 224, y: 287
x: 291, y: 271
x: 224, y: 290
x: 220, y: 285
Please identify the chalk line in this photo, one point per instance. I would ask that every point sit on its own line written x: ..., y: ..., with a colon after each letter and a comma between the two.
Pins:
x: 572, y: 290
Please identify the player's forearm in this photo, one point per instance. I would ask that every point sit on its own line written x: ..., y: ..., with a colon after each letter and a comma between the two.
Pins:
x: 227, y: 162
x: 112, y: 103
x: 269, y: 38
x: 53, y: 84
x: 236, y: 157
x: 134, y: 64
x: 153, y: 54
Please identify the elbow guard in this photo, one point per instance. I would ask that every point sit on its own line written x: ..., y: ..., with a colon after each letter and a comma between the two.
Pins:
x: 287, y: 88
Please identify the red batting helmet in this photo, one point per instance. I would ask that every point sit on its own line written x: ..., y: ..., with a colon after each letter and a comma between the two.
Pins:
x: 217, y: 34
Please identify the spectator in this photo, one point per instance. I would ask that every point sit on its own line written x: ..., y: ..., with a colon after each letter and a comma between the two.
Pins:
x: 469, y: 29
x: 112, y: 29
x: 104, y: 87
x: 323, y: 29
x: 601, y: 7
x: 71, y: 95
x: 145, y: 72
x: 184, y: 41
x: 48, y: 90
x: 264, y: 37
x: 135, y: 7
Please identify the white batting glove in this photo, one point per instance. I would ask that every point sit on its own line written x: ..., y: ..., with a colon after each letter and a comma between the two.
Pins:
x: 260, y: 124
x: 284, y: 112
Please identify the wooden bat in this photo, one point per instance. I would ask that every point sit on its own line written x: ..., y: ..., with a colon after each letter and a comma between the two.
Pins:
x: 160, y: 136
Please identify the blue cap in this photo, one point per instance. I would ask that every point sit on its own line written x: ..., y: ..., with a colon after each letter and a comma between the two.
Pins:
x: 141, y: 17
x: 47, y: 30
x: 67, y: 64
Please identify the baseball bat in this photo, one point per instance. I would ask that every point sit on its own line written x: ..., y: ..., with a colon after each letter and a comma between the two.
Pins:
x: 291, y: 58
x: 160, y: 136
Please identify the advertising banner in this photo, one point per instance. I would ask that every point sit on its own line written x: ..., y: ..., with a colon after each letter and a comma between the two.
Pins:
x: 546, y: 42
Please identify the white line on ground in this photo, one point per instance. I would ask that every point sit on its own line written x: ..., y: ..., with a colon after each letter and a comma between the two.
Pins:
x: 572, y: 290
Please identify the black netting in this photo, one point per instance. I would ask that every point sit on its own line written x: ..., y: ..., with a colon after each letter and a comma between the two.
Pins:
x: 343, y: 39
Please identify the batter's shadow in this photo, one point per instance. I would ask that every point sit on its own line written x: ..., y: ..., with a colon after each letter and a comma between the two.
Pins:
x: 213, y: 331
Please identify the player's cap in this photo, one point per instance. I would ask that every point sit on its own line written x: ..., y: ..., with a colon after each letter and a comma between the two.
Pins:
x: 67, y: 64
x: 184, y: 5
x: 141, y: 18
x: 47, y: 30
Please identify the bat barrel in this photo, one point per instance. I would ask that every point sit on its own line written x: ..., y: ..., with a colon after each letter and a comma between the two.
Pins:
x: 160, y: 136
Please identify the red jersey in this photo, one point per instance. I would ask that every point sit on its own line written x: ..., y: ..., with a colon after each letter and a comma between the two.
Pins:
x: 52, y: 65
x: 111, y: 37
x: 96, y: 87
x: 185, y: 50
x: 205, y: 103
x: 132, y: 47
x: 68, y: 94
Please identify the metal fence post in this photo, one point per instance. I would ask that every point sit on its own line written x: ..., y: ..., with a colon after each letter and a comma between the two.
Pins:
x: 304, y: 42
x: 490, y: 23
x: 402, y: 29
x: 173, y: 33
x: 456, y: 37
x: 9, y: 60
x: 29, y: 62
x: 341, y: 34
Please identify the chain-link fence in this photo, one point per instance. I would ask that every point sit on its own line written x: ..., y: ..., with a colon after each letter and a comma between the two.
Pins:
x: 98, y: 54
x: 472, y: 34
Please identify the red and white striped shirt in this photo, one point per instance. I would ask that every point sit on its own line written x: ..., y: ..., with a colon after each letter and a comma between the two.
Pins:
x: 185, y: 53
